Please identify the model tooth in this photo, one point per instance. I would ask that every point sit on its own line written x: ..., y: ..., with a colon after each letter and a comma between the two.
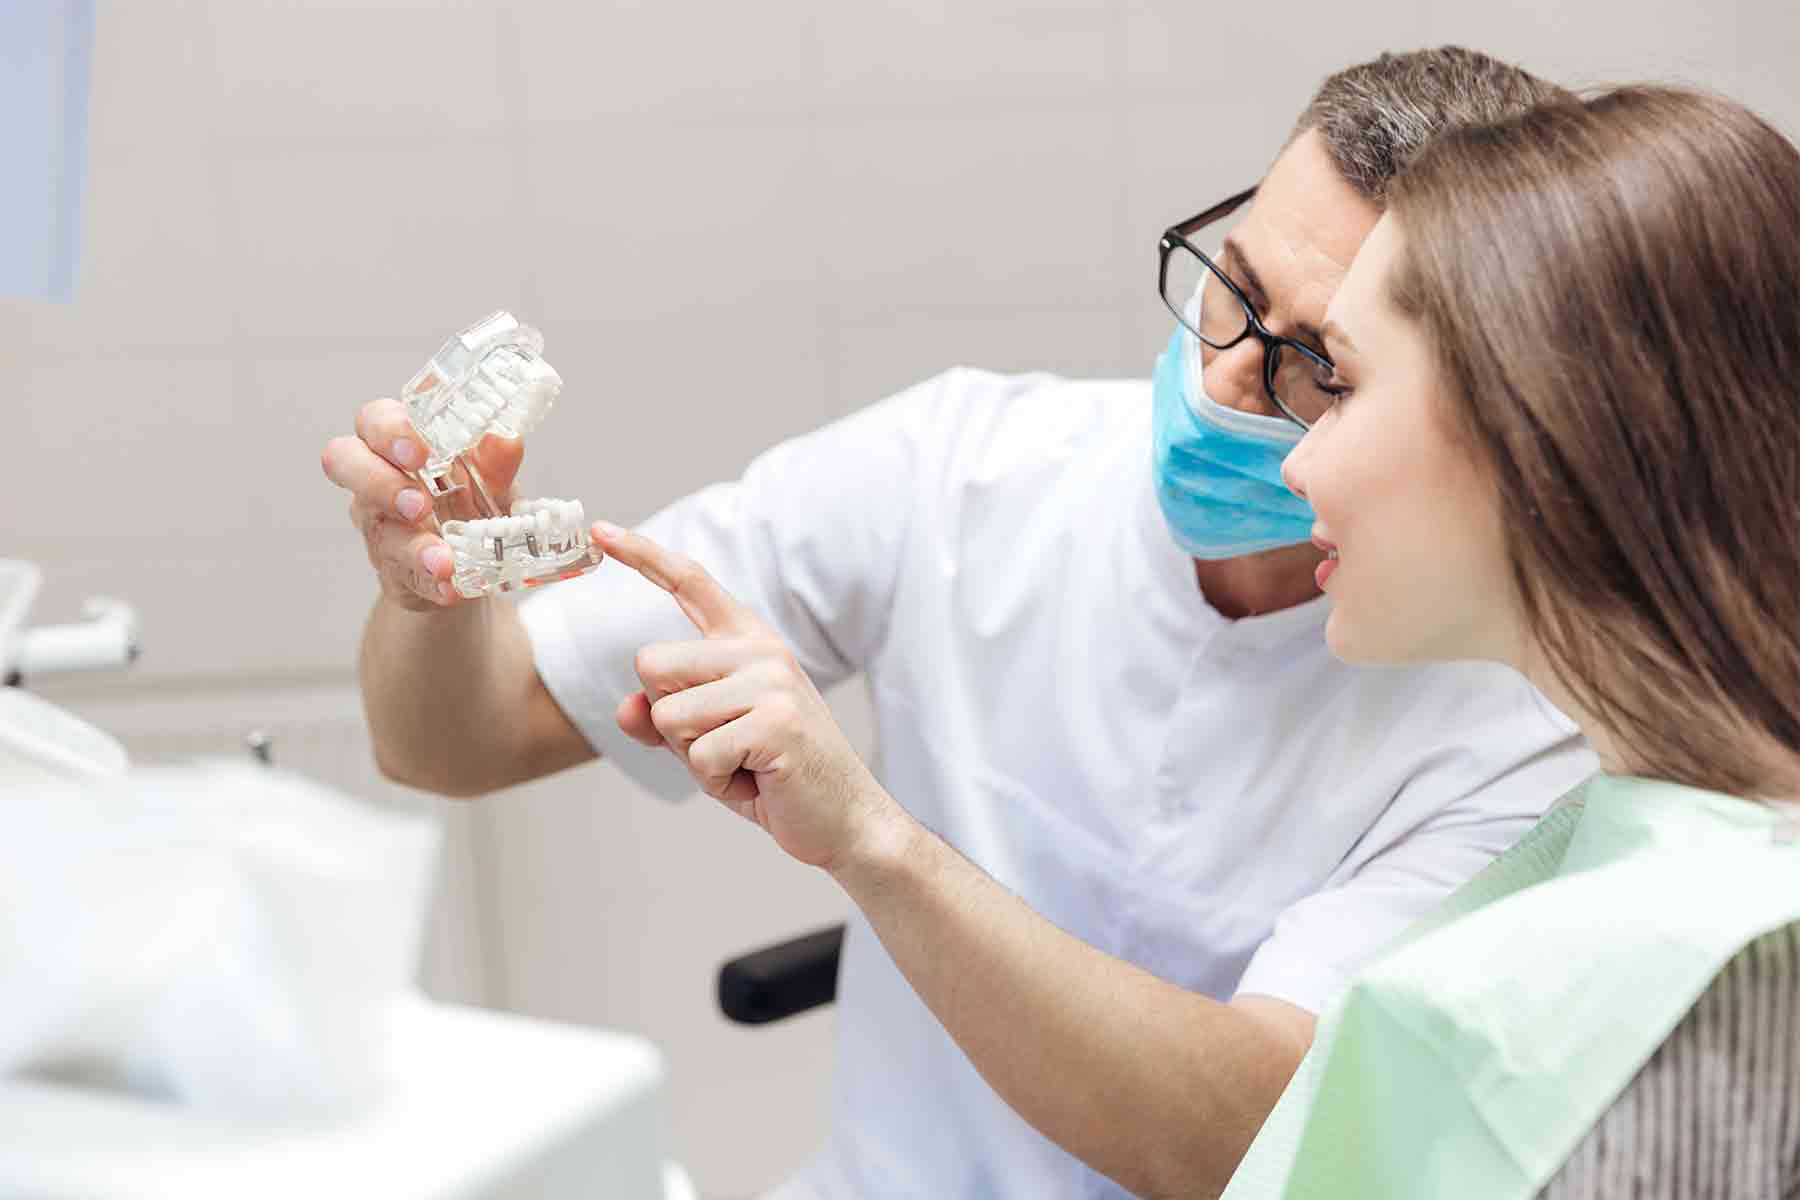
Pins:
x: 577, y: 518
x: 545, y: 526
x: 456, y: 432
x: 504, y: 367
x: 521, y: 508
x: 488, y: 400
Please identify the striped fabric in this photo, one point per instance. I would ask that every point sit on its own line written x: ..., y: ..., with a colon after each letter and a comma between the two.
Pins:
x: 1715, y: 1113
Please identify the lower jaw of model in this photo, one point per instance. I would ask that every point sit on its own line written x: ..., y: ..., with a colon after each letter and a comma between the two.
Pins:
x: 541, y: 542
x: 491, y: 379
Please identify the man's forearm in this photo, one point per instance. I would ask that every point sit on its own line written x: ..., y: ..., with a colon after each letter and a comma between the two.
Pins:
x: 1160, y: 1089
x: 454, y: 703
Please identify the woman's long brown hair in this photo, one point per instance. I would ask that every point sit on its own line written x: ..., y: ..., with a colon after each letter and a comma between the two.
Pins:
x: 1612, y: 287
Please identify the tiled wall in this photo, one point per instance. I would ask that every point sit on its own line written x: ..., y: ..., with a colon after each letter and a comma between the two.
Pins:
x: 732, y: 221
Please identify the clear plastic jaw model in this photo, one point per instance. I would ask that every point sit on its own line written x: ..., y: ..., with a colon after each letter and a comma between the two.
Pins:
x: 491, y: 378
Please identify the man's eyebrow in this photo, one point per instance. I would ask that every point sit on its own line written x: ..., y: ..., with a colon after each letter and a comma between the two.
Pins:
x: 1307, y: 331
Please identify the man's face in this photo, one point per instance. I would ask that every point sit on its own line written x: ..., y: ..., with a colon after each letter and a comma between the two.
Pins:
x: 1288, y: 252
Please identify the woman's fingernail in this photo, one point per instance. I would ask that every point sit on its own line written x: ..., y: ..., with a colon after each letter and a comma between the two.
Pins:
x: 608, y: 530
x: 405, y: 452
x: 411, y: 503
x: 436, y: 557
x: 447, y: 590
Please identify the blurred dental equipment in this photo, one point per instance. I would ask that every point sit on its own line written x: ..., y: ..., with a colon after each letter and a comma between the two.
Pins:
x: 171, y: 925
x: 492, y: 378
x: 484, y: 1106
x: 206, y: 986
x: 107, y: 637
x: 206, y: 991
x: 38, y: 740
x: 46, y: 47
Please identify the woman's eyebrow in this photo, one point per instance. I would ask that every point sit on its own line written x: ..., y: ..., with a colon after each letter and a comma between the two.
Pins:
x: 1334, y: 335
x: 1307, y: 331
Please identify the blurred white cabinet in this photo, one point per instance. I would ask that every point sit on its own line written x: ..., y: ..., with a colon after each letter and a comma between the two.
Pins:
x: 486, y: 1106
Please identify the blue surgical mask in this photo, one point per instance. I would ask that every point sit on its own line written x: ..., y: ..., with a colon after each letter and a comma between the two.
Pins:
x: 1218, y: 470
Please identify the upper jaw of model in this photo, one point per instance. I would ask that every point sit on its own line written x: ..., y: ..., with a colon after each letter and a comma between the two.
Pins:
x: 491, y: 378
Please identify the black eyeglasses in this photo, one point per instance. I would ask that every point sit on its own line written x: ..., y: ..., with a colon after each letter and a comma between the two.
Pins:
x: 1294, y: 375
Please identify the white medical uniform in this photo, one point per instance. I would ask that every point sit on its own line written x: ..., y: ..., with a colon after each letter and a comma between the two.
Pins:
x: 1221, y: 802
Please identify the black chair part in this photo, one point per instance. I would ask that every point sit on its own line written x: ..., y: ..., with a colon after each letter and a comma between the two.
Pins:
x: 782, y: 980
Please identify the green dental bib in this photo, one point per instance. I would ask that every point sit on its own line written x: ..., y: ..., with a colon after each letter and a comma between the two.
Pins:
x: 1471, y: 1059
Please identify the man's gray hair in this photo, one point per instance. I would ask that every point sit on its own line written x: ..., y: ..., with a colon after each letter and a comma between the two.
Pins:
x: 1376, y: 115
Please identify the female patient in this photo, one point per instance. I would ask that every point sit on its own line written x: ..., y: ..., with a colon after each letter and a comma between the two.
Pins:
x: 1566, y: 438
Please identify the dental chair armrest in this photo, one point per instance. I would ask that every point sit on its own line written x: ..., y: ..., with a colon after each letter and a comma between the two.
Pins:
x: 782, y: 980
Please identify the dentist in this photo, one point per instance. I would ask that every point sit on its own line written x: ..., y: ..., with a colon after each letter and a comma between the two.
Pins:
x: 1147, y: 825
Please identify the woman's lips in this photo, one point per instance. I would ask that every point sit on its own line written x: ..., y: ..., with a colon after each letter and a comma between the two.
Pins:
x: 1324, y: 570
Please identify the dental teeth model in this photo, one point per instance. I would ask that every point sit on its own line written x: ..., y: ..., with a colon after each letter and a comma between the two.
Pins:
x: 491, y: 378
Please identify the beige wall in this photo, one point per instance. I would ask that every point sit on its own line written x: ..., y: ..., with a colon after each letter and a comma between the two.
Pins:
x: 732, y: 221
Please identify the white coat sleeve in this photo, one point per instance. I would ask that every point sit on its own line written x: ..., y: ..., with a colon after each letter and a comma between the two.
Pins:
x: 1478, y: 785
x: 810, y: 537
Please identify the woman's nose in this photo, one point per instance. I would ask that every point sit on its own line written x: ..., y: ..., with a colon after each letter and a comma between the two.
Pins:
x: 1293, y: 467
x: 1234, y: 377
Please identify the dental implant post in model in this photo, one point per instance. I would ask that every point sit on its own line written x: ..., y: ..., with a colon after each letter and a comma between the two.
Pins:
x: 492, y: 378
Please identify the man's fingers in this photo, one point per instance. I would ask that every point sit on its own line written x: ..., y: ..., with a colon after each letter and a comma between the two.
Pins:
x: 741, y: 794
x: 498, y: 459
x: 717, y: 760
x: 684, y: 717
x: 383, y: 426
x: 374, y: 481
x: 709, y: 606
x: 633, y: 716
x: 420, y: 560
x: 665, y: 667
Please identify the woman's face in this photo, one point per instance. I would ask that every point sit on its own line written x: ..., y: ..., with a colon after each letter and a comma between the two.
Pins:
x: 1421, y: 571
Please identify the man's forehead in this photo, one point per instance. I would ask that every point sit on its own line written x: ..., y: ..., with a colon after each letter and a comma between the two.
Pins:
x: 1303, y: 228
